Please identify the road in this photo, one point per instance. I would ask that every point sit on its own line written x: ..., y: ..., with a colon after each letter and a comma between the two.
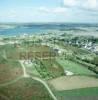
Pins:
x: 37, y: 79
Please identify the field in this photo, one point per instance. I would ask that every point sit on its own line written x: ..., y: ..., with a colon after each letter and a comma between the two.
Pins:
x: 75, y: 87
x: 45, y: 68
x: 24, y: 52
x: 13, y: 84
x: 9, y: 71
x: 35, y: 72
x: 78, y: 94
x: 74, y: 82
x: 24, y: 89
x: 74, y: 67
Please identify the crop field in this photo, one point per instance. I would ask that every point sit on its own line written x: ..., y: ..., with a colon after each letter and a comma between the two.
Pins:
x: 75, y: 87
x: 24, y: 89
x: 74, y: 82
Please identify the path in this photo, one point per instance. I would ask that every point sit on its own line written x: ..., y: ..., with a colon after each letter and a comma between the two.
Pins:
x: 37, y: 79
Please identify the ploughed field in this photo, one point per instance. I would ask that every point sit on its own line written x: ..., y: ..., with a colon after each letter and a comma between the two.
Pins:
x: 75, y: 87
x: 74, y: 82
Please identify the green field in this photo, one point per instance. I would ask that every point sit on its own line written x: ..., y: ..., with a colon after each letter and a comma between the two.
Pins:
x: 74, y: 67
x: 79, y: 92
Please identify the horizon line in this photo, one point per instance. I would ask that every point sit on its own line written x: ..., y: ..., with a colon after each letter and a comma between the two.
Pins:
x: 48, y: 22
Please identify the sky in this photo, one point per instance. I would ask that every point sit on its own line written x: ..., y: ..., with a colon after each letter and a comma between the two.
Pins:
x: 75, y: 11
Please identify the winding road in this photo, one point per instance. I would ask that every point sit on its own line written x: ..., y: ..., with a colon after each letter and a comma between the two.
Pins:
x: 37, y: 79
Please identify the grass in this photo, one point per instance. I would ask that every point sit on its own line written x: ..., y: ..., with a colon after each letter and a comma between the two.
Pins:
x: 74, y: 67
x: 24, y: 52
x: 9, y: 71
x: 25, y: 89
x: 31, y: 70
x: 93, y: 91
x: 78, y: 94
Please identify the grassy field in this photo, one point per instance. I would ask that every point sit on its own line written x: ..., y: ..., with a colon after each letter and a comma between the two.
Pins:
x: 78, y: 94
x: 24, y: 89
x: 12, y: 52
x: 93, y: 91
x: 31, y: 69
x: 9, y: 71
x: 74, y: 67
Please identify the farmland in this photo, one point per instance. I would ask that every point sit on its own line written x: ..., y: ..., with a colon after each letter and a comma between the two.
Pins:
x: 75, y: 87
x: 14, y: 84
x: 74, y: 82
x: 37, y: 69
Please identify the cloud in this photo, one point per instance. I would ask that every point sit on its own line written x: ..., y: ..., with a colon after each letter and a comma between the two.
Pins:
x: 70, y: 3
x: 59, y: 10
x: 44, y: 9
x: 82, y: 4
x: 56, y: 10
x: 91, y: 5
x: 9, y: 14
